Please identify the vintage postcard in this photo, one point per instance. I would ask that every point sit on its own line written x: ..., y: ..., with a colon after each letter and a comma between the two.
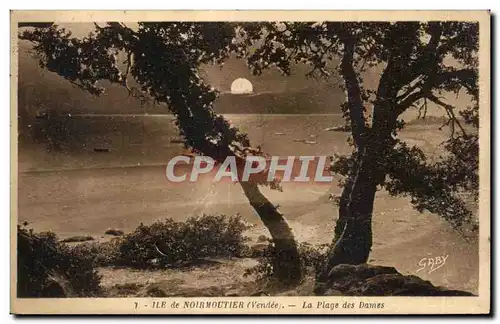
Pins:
x: 250, y: 162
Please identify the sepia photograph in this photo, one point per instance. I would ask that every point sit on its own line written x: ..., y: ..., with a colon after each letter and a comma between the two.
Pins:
x: 250, y: 162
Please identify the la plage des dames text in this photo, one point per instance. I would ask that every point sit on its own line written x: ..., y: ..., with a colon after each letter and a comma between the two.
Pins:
x: 231, y: 304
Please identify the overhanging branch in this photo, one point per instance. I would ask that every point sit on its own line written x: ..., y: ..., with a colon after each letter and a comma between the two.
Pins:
x: 449, y: 111
x: 464, y: 77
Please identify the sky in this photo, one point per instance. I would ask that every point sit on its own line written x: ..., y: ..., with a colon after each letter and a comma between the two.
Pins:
x: 39, y: 87
x: 222, y: 77
x: 36, y: 82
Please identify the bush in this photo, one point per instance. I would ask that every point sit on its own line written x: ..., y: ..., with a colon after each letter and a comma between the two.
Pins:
x: 312, y: 257
x: 103, y: 254
x: 177, y: 243
x: 48, y: 268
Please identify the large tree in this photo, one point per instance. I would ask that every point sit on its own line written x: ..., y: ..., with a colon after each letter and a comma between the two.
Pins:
x: 161, y: 60
x: 418, y: 63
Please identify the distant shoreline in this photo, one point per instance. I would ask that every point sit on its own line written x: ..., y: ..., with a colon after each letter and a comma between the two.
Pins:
x: 170, y: 115
x: 90, y: 168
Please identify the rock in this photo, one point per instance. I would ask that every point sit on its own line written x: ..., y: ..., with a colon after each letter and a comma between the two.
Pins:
x: 114, y: 232
x: 371, y: 280
x: 232, y: 293
x: 400, y: 285
x: 73, y: 239
x: 344, y: 276
x: 262, y: 238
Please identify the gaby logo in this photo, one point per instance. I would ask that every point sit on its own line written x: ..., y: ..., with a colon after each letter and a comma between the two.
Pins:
x: 285, y: 169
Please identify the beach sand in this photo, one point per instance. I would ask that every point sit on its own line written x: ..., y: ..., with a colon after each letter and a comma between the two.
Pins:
x: 105, y: 191
x: 87, y: 202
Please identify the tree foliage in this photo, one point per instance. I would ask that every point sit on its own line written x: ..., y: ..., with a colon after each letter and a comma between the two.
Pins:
x: 158, y: 61
x: 48, y: 268
x: 182, y: 243
x: 418, y: 63
x: 163, y: 61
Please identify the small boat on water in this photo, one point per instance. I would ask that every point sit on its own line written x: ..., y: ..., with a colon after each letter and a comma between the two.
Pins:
x: 101, y: 149
x: 305, y: 141
x: 341, y: 128
x: 177, y: 140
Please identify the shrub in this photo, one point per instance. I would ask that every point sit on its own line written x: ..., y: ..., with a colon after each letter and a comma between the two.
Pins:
x: 174, y: 243
x: 48, y: 268
x: 312, y: 257
x: 103, y: 254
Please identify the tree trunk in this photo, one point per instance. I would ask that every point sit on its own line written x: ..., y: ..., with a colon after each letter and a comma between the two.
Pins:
x: 286, y: 263
x: 343, y: 204
x: 353, y: 234
x: 353, y: 244
x: 353, y: 230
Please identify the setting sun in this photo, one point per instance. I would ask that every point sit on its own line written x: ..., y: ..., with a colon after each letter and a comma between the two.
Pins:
x: 241, y: 85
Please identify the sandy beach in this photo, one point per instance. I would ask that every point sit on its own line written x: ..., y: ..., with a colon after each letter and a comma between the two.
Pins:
x: 126, y: 187
x: 88, y: 202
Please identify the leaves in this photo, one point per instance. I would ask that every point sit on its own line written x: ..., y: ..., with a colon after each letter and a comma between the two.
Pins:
x: 43, y: 261
x: 436, y: 187
x: 418, y: 62
x: 182, y: 242
x: 162, y: 59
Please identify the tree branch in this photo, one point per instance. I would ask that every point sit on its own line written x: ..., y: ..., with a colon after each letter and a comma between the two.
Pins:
x: 464, y: 77
x: 354, y: 100
x: 130, y: 57
x: 427, y: 61
x: 449, y: 111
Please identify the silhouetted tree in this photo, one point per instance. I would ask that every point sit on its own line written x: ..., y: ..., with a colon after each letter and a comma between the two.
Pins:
x: 417, y: 62
x: 161, y: 61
